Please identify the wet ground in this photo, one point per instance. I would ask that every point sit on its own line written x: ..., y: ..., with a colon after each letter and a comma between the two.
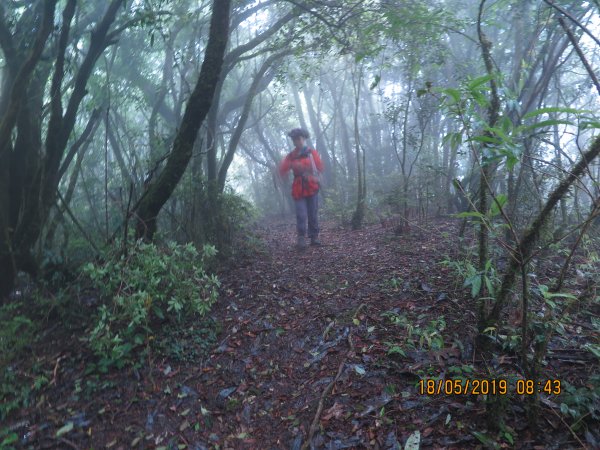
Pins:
x: 326, y: 348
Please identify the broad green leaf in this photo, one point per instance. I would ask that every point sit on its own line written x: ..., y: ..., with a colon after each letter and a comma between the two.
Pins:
x: 454, y: 93
x: 375, y: 82
x: 589, y: 124
x: 476, y: 286
x: 500, y: 201
x: 541, y: 111
x: 594, y: 349
x: 479, y: 81
x: 65, y: 429
x: 547, y: 123
x: 506, y: 124
x: 481, y: 99
x: 485, y: 139
x: 485, y: 440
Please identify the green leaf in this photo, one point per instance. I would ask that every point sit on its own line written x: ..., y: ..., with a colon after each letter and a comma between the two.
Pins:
x: 479, y: 81
x: 485, y: 440
x: 466, y: 214
x: 65, y: 429
x: 476, y: 286
x: 501, y: 200
x: 486, y: 140
x: 589, y: 124
x: 451, y: 92
x: 375, y: 82
x: 9, y: 439
x: 560, y: 294
x: 480, y: 99
x: 506, y: 124
x: 547, y: 123
x: 541, y: 111
x: 594, y: 349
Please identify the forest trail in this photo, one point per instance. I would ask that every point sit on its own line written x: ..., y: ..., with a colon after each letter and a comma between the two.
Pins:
x: 296, y: 324
x: 329, y: 343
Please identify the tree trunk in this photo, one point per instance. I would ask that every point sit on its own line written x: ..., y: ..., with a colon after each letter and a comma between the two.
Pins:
x: 525, y: 246
x: 196, y: 110
x: 359, y: 213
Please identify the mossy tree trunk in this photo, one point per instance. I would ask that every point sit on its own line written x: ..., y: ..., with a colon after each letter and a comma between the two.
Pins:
x: 198, y: 106
x: 33, y: 150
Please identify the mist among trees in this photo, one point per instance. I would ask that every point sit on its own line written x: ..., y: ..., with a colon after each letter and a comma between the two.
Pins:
x: 147, y: 235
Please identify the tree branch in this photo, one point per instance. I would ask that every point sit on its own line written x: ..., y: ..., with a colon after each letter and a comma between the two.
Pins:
x: 55, y: 121
x: 89, y: 129
x: 6, y: 42
x: 582, y: 57
x: 7, y: 122
x: 239, y: 129
x: 58, y: 136
x: 574, y: 20
x: 525, y: 246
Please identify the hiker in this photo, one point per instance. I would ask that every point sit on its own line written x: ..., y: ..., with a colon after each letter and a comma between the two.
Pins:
x: 306, y: 165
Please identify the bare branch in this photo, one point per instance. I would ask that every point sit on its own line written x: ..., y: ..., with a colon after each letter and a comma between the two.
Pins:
x: 582, y: 57
x: 574, y: 20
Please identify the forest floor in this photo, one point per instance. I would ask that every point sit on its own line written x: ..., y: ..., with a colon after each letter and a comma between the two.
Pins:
x: 329, y: 343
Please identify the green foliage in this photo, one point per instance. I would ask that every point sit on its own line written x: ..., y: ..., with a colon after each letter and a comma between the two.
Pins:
x: 188, y: 343
x: 428, y: 337
x: 473, y: 278
x: 148, y: 286
x: 582, y: 402
x: 337, y: 210
x: 500, y: 143
x: 18, y: 392
x: 16, y: 332
x: 8, y: 438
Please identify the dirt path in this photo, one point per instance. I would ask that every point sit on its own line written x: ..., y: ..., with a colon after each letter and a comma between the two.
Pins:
x: 329, y: 343
x: 298, y: 324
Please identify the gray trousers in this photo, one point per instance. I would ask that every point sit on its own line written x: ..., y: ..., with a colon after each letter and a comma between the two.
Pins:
x: 307, y: 208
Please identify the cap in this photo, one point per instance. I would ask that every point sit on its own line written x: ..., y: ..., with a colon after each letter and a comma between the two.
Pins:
x: 299, y: 132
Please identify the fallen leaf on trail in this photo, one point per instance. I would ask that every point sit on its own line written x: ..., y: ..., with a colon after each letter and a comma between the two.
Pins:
x: 336, y: 411
x: 414, y: 441
x: 426, y: 287
x: 375, y: 404
x: 227, y: 392
x: 65, y: 429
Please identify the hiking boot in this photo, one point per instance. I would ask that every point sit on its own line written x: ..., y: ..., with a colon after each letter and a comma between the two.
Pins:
x: 315, y: 241
x: 301, y: 243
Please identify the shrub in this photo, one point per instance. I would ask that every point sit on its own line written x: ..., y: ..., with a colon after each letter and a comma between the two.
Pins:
x: 149, y: 286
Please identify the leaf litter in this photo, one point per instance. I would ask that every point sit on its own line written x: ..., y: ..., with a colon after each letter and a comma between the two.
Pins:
x: 321, y: 349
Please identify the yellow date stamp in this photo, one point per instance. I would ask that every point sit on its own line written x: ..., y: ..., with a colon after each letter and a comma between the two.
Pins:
x: 484, y: 386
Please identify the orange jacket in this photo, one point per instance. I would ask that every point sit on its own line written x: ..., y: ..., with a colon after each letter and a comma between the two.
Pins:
x: 306, y: 183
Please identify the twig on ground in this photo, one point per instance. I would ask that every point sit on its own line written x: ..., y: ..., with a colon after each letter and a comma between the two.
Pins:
x: 55, y: 371
x: 569, y: 428
x: 359, y: 309
x: 315, y: 423
x: 328, y: 329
